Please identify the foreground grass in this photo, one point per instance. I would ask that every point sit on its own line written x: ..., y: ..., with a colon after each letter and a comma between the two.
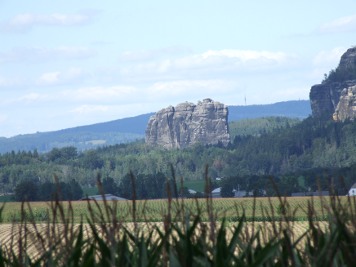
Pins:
x: 180, y: 232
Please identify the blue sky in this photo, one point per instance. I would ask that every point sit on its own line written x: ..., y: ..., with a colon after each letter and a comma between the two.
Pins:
x: 70, y: 63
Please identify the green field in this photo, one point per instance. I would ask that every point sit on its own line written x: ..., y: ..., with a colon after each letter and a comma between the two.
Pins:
x: 197, y: 185
x: 259, y: 209
x: 6, y: 198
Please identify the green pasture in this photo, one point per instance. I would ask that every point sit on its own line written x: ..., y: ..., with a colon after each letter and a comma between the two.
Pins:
x: 89, y: 191
x: 197, y: 185
x: 258, y: 209
x: 6, y: 198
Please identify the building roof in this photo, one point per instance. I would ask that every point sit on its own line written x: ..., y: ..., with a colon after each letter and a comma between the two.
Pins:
x: 216, y: 190
x: 191, y: 191
x: 100, y: 197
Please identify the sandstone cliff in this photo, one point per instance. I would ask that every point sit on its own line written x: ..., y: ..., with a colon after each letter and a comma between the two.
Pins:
x: 346, y: 108
x: 187, y: 124
x: 325, y: 97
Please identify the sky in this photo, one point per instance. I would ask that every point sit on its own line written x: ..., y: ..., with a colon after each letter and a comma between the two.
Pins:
x: 71, y: 63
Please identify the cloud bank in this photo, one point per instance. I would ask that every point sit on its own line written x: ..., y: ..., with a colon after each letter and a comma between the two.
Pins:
x: 342, y: 24
x: 26, y: 21
x: 42, y: 54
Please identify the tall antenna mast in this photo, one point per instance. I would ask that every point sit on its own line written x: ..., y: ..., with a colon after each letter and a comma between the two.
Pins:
x: 245, y: 100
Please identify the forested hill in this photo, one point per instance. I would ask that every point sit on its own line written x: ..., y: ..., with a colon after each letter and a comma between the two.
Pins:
x: 296, y: 154
x: 130, y: 129
x: 292, y: 109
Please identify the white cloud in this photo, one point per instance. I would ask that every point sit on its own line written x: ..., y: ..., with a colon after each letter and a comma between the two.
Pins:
x: 86, y: 109
x: 330, y: 57
x: 32, y: 97
x: 210, y: 63
x: 83, y: 97
x: 49, y: 78
x: 111, y: 94
x: 183, y: 90
x: 25, y: 99
x: 25, y: 21
x: 15, y: 80
x: 326, y: 60
x: 343, y: 24
x: 3, y: 118
x: 290, y: 93
x: 247, y: 55
x: 40, y: 54
x: 151, y: 54
x: 58, y: 78
x: 73, y: 52
x: 2, y: 81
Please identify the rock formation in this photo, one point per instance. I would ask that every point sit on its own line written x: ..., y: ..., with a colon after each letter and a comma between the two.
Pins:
x: 346, y: 108
x: 325, y: 97
x: 187, y: 124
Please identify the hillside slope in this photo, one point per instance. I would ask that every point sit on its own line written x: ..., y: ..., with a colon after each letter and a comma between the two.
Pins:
x: 292, y: 109
x: 82, y: 137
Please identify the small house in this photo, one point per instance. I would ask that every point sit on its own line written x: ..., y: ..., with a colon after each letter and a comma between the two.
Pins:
x: 237, y: 193
x: 191, y: 191
x: 352, y: 191
x: 216, y: 192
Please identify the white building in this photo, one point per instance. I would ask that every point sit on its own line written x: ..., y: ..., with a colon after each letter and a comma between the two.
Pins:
x: 352, y: 191
x: 242, y: 193
x: 100, y: 197
x: 216, y: 192
x: 237, y: 193
x: 191, y: 191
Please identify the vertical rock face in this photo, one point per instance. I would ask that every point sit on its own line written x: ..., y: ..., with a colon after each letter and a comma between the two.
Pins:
x: 346, y: 108
x: 348, y: 59
x: 187, y: 124
x: 325, y: 97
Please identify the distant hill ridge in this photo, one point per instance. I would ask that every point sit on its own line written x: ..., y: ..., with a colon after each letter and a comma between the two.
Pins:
x: 130, y: 129
x: 293, y: 109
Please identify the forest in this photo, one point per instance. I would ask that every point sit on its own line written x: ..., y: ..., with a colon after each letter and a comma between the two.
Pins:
x: 297, y: 155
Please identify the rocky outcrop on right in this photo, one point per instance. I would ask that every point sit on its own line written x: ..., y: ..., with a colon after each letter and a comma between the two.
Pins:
x: 346, y: 108
x: 325, y: 97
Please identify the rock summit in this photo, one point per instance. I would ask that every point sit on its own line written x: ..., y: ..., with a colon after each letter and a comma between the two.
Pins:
x: 188, y: 124
x: 335, y: 97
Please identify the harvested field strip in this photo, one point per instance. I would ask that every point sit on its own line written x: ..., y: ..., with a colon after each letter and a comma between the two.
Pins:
x: 10, y: 233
